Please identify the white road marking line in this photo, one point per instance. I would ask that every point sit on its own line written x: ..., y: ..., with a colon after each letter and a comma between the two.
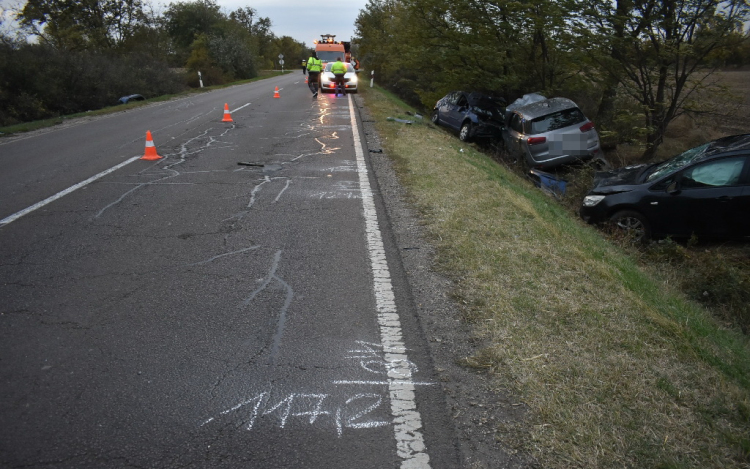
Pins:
x: 378, y: 383
x: 407, y: 422
x: 244, y: 106
x: 65, y: 192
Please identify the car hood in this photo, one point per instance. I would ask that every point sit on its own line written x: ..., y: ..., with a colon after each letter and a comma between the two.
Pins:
x: 618, y: 180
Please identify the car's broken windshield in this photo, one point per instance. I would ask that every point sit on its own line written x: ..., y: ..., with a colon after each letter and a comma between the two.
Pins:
x: 677, y: 162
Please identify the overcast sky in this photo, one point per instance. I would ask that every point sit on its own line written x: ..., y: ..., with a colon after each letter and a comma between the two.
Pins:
x: 303, y: 20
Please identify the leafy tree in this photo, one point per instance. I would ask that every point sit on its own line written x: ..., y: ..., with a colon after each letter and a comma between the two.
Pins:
x: 503, y: 47
x: 292, y: 51
x: 264, y: 38
x: 83, y: 24
x: 233, y: 53
x: 244, y: 16
x: 658, y: 53
x: 186, y: 21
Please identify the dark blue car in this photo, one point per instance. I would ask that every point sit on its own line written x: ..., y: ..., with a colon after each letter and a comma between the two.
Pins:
x: 472, y: 115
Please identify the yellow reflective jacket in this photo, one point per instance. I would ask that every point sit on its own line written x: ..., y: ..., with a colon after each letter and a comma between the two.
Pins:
x: 314, y: 65
x: 338, y: 67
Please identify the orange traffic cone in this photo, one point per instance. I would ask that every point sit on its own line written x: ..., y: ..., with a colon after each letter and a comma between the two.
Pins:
x: 150, y: 149
x: 276, y: 93
x: 306, y: 82
x: 227, y: 116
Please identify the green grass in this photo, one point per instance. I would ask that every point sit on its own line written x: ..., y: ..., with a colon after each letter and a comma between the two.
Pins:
x: 617, y: 368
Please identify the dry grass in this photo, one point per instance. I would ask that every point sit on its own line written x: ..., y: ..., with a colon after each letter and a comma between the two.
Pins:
x: 617, y: 369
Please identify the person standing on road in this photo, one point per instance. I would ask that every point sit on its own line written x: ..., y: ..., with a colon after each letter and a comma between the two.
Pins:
x: 314, y: 65
x: 304, y: 66
x: 339, y: 70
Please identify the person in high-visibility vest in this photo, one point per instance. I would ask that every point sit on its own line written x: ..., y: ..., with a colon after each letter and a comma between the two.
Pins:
x: 304, y: 66
x: 339, y: 70
x: 314, y: 66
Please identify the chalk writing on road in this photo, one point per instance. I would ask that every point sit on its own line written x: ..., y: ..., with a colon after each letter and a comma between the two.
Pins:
x: 336, y: 411
x: 324, y: 409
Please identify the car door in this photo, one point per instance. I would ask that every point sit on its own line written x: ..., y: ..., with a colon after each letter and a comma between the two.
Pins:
x: 444, y: 108
x: 456, y: 106
x: 707, y: 199
x: 743, y: 211
x: 513, y: 135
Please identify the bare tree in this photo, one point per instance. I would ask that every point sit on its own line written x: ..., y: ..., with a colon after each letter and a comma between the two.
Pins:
x: 658, y: 52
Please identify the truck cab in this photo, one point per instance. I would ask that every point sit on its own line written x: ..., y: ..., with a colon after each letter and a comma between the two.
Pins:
x: 328, y: 50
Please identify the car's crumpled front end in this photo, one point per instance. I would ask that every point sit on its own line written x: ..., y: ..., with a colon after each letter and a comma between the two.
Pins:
x: 598, y: 203
x: 487, y: 113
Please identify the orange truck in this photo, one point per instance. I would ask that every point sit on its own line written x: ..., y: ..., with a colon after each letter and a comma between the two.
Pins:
x: 328, y: 50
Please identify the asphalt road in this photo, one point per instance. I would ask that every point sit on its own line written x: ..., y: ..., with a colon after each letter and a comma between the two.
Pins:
x: 193, y: 312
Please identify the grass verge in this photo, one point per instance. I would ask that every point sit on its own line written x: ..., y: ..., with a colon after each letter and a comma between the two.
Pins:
x: 617, y: 368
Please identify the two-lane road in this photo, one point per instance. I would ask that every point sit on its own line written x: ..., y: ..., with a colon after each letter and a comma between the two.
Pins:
x: 193, y: 312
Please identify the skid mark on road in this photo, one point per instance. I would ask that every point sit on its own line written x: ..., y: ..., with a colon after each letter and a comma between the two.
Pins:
x: 239, y: 251
x: 258, y: 187
x: 289, y: 295
x: 185, y: 151
x: 139, y: 186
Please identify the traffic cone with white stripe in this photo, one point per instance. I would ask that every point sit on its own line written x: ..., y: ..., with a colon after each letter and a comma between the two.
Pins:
x: 227, y: 116
x: 150, y: 154
x: 276, y: 93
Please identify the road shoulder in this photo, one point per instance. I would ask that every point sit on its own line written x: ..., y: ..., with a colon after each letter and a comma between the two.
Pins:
x: 473, y: 399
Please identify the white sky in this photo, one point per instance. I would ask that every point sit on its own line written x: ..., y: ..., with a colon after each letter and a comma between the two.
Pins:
x: 303, y: 20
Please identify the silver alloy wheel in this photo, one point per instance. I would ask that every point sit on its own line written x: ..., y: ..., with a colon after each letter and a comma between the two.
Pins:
x: 465, y: 133
x: 632, y: 223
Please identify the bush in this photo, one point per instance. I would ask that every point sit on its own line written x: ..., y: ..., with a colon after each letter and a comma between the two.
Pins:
x: 39, y: 82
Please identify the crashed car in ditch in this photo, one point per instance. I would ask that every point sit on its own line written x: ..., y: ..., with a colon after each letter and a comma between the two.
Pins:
x: 704, y: 191
x: 131, y: 97
x: 473, y: 115
x: 548, y: 132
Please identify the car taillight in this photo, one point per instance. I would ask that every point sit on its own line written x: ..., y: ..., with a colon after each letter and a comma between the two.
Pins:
x: 536, y: 140
x: 587, y: 127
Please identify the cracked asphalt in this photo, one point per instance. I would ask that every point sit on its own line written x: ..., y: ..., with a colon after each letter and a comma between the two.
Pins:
x: 195, y: 312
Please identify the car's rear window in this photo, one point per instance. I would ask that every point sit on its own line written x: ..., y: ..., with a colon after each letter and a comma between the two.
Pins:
x: 557, y: 120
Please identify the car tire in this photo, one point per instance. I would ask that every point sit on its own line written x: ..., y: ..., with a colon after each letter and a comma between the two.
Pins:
x: 633, y: 224
x: 435, y: 117
x: 465, y: 133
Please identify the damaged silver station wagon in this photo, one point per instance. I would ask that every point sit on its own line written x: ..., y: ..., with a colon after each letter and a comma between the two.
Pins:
x: 549, y: 132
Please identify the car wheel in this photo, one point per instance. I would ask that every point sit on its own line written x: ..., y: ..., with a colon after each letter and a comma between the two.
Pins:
x: 435, y: 118
x: 465, y: 133
x: 633, y: 224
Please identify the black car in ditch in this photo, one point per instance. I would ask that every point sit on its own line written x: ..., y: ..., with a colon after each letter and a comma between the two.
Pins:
x: 474, y: 115
x: 704, y: 191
